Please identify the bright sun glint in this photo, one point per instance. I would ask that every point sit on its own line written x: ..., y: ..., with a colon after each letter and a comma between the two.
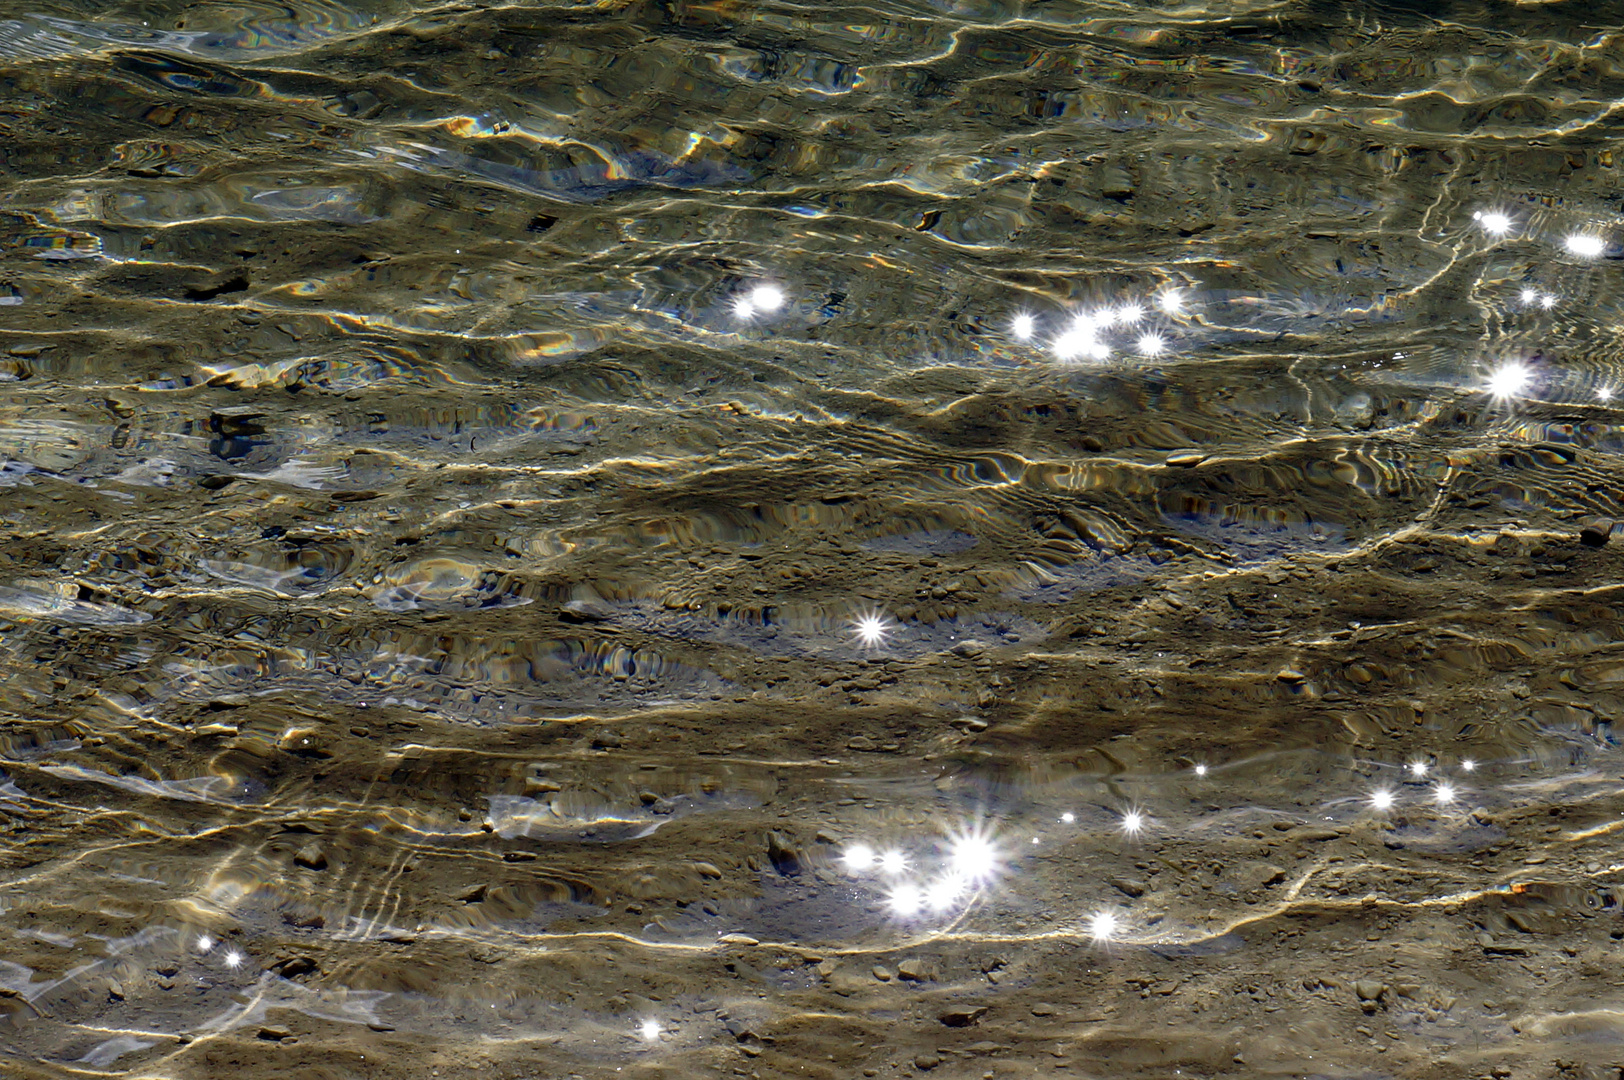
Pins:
x: 1102, y: 926
x: 858, y: 857
x: 1586, y: 245
x: 1133, y: 822
x: 893, y: 862
x: 871, y: 629
x: 945, y: 891
x: 905, y: 899
x: 1494, y: 222
x: 973, y: 857
x: 1023, y: 326
x: 1381, y: 799
x: 1151, y: 345
x: 762, y: 298
x: 1509, y: 380
x: 650, y: 1030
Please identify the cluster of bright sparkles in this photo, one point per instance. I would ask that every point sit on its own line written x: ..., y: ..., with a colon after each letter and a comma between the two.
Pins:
x: 1444, y: 792
x: 972, y: 861
x: 1586, y: 245
x: 1087, y: 334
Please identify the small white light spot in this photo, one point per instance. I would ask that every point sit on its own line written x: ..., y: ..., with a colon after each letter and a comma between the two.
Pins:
x: 1068, y: 817
x: 1133, y: 822
x: 1023, y: 326
x: 1468, y: 765
x: 1034, y: 840
x: 1102, y: 926
x: 1418, y: 769
x: 233, y: 959
x: 1604, y: 393
x: 1494, y: 222
x: 204, y: 943
x: 1585, y: 245
x: 1381, y: 799
x: 893, y: 862
x: 858, y: 857
x: 1530, y: 295
x: 743, y: 308
x: 1128, y: 314
x: 1171, y: 301
x: 650, y: 1030
x: 1099, y: 350
x: 1201, y: 770
x: 1151, y: 345
x: 1547, y: 301
x: 871, y: 629
x: 1444, y: 794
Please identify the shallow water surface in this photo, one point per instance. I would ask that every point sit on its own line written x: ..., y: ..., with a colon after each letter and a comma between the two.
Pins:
x: 707, y: 539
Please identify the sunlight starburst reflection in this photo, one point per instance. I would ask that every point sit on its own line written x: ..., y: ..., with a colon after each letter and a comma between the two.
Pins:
x: 871, y: 629
x: 1509, y: 380
x: 1103, y: 927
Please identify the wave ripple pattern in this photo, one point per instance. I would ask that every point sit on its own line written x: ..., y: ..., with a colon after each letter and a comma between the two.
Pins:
x: 693, y: 538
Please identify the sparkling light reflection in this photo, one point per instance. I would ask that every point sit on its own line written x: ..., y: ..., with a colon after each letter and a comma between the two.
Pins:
x: 905, y: 899
x: 858, y: 857
x: 1509, y: 380
x: 1585, y: 245
x: 759, y: 300
x: 1493, y: 222
x: 1103, y: 926
x: 973, y: 857
x: 1381, y: 799
x: 871, y: 628
x: 650, y: 1030
x: 893, y: 862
